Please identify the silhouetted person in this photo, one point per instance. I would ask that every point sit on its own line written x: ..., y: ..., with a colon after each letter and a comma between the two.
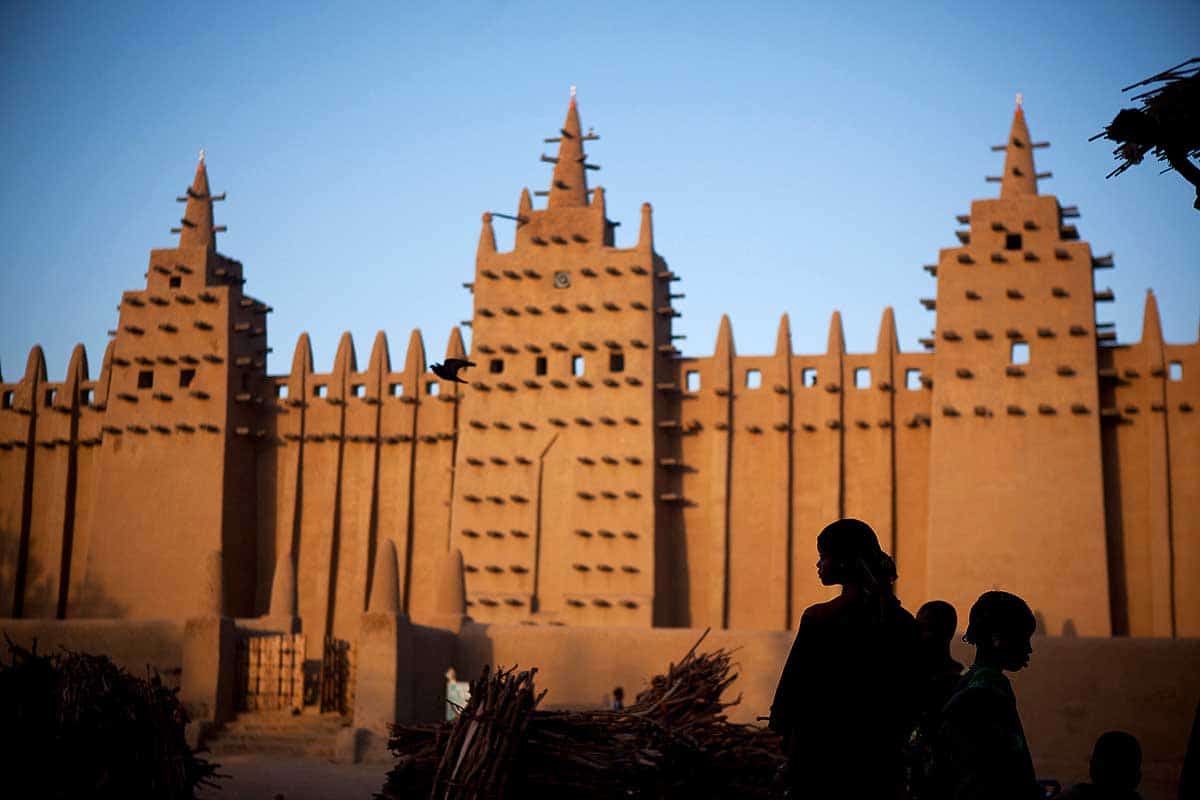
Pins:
x: 1189, y: 781
x: 980, y: 752
x: 618, y: 700
x: 1116, y: 770
x: 939, y: 674
x: 845, y: 702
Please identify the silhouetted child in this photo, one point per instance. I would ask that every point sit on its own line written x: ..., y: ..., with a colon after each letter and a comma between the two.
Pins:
x: 1116, y: 770
x: 979, y: 751
x: 846, y: 698
x: 939, y: 674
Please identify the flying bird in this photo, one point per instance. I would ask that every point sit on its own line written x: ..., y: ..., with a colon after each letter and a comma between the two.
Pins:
x: 449, y: 370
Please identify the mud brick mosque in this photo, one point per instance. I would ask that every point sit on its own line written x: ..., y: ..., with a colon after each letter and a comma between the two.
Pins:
x: 591, y: 474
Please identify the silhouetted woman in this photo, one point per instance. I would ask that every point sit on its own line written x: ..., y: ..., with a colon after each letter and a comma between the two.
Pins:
x: 846, y: 699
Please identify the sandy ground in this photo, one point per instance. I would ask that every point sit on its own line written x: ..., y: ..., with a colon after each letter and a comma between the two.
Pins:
x: 257, y: 777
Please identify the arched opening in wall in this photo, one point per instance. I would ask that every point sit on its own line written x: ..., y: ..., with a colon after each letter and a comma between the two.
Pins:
x: 396, y: 389
x: 616, y: 362
x: 1019, y: 353
x: 1175, y: 370
x: 358, y: 390
x: 319, y: 390
x: 912, y: 379
x: 808, y: 377
x: 577, y: 365
x: 50, y: 393
x: 186, y: 376
x: 433, y: 388
x: 862, y: 378
x: 539, y: 365
x: 85, y: 397
x: 6, y: 399
x: 496, y: 366
x: 693, y: 380
x: 175, y: 281
x: 281, y: 391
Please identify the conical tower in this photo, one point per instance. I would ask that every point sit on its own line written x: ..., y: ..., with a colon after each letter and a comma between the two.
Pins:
x: 1016, y: 411
x: 556, y: 497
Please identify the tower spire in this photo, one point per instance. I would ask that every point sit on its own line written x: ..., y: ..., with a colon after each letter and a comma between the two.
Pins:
x: 196, y: 227
x: 569, y: 186
x: 1020, y: 177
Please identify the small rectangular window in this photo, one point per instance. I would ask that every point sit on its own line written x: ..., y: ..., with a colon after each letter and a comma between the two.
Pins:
x: 6, y: 400
x: 186, y: 376
x: 1020, y: 353
x: 1012, y: 241
x: 808, y: 377
x: 281, y: 391
x: 319, y: 390
x: 912, y: 379
x: 496, y: 366
x: 396, y: 389
x: 176, y: 281
x: 693, y: 380
x: 1175, y: 370
x: 753, y: 378
x: 539, y: 365
x: 862, y: 378
x: 49, y: 400
x: 146, y: 379
x: 577, y: 365
x: 358, y: 389
x: 433, y: 388
x: 616, y: 362
x: 85, y: 397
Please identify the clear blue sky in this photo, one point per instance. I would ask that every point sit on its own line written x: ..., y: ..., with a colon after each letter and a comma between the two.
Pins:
x: 800, y: 157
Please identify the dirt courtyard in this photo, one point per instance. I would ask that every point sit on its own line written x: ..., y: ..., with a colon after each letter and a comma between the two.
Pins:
x: 262, y: 777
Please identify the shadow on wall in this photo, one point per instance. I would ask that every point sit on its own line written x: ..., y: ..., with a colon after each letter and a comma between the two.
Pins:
x: 434, y: 651
x: 40, y: 600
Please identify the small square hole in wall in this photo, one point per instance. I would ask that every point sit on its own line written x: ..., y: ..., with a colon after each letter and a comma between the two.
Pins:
x: 175, y: 281
x: 433, y: 388
x: 281, y: 391
x: 1020, y: 353
x: 186, y: 376
x: 753, y: 379
x: 496, y: 366
x: 320, y: 390
x: 396, y: 389
x: 616, y: 362
x: 6, y: 399
x: 49, y: 400
x: 358, y: 389
x: 912, y: 379
x: 693, y: 380
x: 576, y: 365
x: 1175, y: 370
x: 1012, y: 241
x: 808, y: 377
x: 146, y: 379
x: 85, y: 397
x: 539, y: 365
x: 862, y: 378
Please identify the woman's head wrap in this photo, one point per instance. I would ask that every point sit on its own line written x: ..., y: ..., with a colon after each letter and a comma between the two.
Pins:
x: 853, y: 544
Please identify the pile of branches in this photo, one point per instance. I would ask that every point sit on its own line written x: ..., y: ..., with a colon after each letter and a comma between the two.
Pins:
x: 1167, y: 124
x: 77, y: 725
x: 673, y: 742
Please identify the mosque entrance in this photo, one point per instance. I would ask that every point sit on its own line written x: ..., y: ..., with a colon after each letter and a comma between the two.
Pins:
x: 269, y: 672
x: 335, y: 676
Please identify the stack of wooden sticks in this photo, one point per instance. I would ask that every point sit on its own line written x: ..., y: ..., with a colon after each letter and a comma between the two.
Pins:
x: 674, y: 741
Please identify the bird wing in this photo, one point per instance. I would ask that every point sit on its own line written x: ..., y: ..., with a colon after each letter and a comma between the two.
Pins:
x: 458, y: 363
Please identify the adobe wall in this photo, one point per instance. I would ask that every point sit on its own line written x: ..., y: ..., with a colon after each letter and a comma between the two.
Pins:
x: 132, y: 644
x: 1074, y: 689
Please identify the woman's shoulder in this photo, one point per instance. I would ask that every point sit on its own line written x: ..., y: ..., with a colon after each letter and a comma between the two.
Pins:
x: 824, y: 612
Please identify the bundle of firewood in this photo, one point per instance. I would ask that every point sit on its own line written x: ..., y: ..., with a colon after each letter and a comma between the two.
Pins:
x: 674, y: 741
